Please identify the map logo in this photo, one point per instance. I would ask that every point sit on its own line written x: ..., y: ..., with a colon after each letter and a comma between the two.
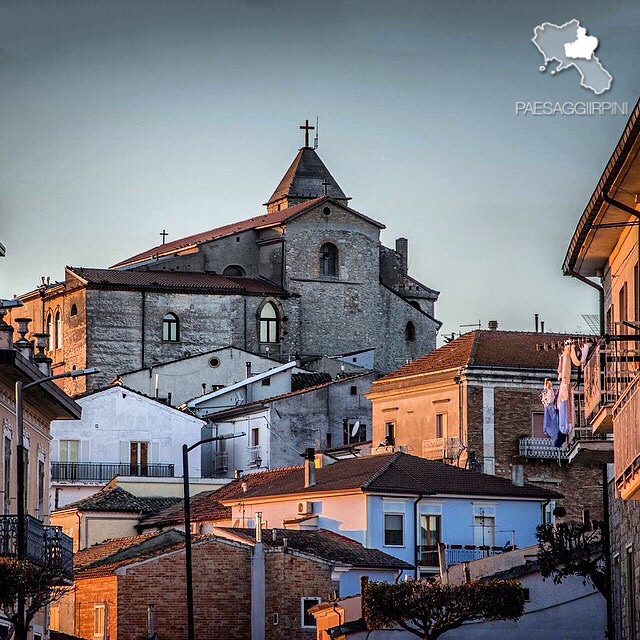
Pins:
x: 570, y: 46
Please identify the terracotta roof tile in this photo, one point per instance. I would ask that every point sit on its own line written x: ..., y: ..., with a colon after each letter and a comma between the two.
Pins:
x: 323, y: 544
x: 177, y: 280
x: 264, y: 220
x: 205, y: 506
x: 305, y: 380
x: 117, y: 499
x: 497, y: 349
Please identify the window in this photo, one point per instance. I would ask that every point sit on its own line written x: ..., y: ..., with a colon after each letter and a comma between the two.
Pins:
x: 537, y: 423
x: 527, y: 595
x: 49, y: 330
x: 41, y: 483
x: 170, y: 328
x: 26, y: 479
x: 410, y: 332
x: 255, y: 437
x: 74, y: 311
x: 139, y: 458
x: 353, y: 432
x: 234, y: 271
x: 266, y: 382
x: 6, y: 483
x: 54, y: 618
x: 441, y: 425
x: 631, y: 595
x: 269, y: 324
x: 329, y: 260
x: 306, y: 602
x: 622, y: 308
x: 393, y: 529
x: 58, y: 336
x: 69, y: 450
x: 414, y: 304
x: 430, y: 530
x: 354, y: 390
x: 484, y: 527
x: 390, y: 434
x: 99, y: 621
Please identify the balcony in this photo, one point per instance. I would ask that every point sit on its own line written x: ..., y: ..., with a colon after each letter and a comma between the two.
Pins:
x: 44, y: 546
x: 607, y: 373
x: 105, y: 471
x: 455, y: 554
x: 255, y: 456
x: 626, y: 431
x: 446, y: 449
x: 220, y: 462
x: 581, y: 441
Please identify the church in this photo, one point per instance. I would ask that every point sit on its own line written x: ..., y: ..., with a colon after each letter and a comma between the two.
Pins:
x: 309, y: 277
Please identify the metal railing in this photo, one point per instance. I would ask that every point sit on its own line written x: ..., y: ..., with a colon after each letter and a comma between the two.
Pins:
x: 456, y: 553
x: 105, y: 471
x: 254, y: 454
x: 609, y: 370
x: 44, y: 545
x: 442, y: 448
x: 221, y: 462
x: 545, y: 449
x: 626, y: 431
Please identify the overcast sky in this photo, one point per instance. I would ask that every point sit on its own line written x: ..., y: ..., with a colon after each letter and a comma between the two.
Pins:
x: 119, y: 119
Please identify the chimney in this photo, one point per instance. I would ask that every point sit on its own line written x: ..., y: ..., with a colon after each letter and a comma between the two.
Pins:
x: 309, y: 467
x: 248, y: 369
x: 258, y: 527
x: 536, y: 320
x: 6, y: 332
x: 402, y: 247
x: 542, y: 327
x: 493, y: 325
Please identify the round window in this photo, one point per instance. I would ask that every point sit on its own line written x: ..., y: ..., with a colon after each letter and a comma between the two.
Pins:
x: 326, y: 211
x: 214, y: 362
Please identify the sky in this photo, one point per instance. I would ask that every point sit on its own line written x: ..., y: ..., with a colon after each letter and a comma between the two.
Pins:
x: 120, y: 119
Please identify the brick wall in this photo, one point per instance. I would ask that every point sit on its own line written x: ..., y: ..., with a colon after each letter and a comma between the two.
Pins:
x: 89, y: 592
x: 289, y: 577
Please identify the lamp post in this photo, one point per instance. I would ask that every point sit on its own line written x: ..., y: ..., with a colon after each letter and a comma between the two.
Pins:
x: 187, y: 523
x: 21, y: 630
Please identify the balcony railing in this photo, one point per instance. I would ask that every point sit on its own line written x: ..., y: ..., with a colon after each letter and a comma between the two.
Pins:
x: 221, y: 462
x: 442, y: 448
x: 45, y: 546
x: 105, y: 471
x: 607, y: 373
x: 455, y: 554
x: 626, y: 442
x: 255, y: 455
x: 544, y: 448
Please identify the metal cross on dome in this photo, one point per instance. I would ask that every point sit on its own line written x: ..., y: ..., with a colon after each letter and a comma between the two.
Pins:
x: 307, y: 127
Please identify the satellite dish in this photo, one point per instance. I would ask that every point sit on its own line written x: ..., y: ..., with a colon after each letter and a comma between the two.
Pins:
x: 355, y: 429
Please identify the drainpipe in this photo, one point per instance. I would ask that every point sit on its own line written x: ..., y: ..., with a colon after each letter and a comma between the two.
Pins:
x: 415, y: 535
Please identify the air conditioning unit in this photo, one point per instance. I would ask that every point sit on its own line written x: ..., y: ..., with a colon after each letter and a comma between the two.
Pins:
x: 305, y: 508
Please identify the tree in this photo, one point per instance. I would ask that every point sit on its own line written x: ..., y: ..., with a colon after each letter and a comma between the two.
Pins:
x: 40, y: 586
x: 429, y: 609
x: 572, y: 548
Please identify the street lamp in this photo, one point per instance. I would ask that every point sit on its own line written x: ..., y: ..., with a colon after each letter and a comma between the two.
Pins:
x: 21, y: 631
x: 187, y: 523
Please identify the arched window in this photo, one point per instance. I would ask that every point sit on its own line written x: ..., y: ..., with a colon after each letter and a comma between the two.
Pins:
x: 49, y: 330
x: 74, y: 310
x: 58, y: 328
x: 269, y: 324
x: 410, y: 332
x: 170, y: 328
x: 328, y: 260
x: 233, y: 270
x: 414, y: 304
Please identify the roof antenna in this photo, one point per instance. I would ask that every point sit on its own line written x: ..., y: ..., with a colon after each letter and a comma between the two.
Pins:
x: 315, y: 139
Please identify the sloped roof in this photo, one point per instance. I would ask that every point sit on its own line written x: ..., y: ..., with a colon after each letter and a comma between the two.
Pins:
x: 323, y: 544
x: 482, y: 348
x: 118, y: 499
x: 205, y: 506
x: 305, y: 177
x: 308, y: 379
x: 396, y: 473
x: 257, y: 222
x: 176, y: 280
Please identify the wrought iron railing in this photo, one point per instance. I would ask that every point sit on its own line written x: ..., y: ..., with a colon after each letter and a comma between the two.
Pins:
x: 255, y: 454
x: 220, y: 462
x: 545, y: 449
x: 44, y: 545
x: 456, y: 553
x: 442, y: 448
x: 105, y: 471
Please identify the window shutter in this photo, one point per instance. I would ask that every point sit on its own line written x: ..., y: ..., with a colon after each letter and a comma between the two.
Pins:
x: 155, y: 452
x: 125, y: 452
x: 85, y: 451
